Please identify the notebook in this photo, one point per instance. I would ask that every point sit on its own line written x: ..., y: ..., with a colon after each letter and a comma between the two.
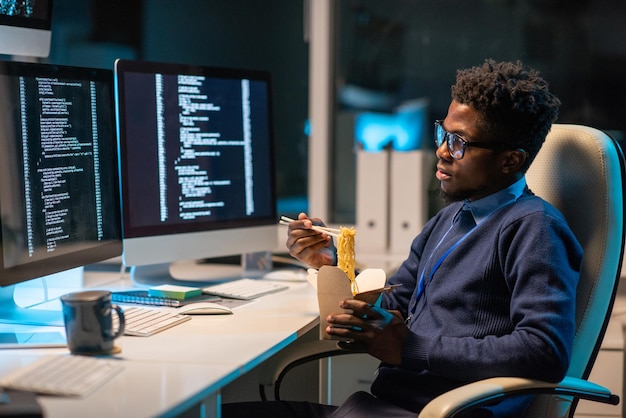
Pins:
x: 142, y: 297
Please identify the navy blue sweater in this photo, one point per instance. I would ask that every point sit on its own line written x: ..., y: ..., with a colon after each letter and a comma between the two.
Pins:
x: 502, y: 303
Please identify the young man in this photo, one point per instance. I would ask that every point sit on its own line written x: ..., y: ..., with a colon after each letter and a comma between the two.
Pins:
x: 489, y: 286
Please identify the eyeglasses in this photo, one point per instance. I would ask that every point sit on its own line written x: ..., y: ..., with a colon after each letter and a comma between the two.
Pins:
x: 457, y: 144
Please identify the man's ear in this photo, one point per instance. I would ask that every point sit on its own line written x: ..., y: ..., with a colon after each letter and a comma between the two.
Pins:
x: 513, y: 160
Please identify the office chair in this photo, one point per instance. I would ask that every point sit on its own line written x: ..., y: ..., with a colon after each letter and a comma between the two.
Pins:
x: 580, y: 170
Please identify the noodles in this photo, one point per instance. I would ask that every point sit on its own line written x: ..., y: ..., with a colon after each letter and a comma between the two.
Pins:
x: 346, y: 258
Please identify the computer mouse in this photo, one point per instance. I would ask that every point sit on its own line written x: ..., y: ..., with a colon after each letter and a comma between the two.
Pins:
x: 204, y: 308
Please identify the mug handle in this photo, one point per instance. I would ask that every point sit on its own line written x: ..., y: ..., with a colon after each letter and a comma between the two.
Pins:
x: 121, y: 320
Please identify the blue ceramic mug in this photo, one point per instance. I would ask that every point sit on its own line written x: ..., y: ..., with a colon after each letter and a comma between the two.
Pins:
x: 88, y: 322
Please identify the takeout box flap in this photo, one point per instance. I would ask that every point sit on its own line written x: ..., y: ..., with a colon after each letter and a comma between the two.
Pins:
x: 333, y: 280
x: 370, y: 297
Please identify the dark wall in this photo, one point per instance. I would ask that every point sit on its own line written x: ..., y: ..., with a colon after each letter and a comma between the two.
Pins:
x: 578, y: 46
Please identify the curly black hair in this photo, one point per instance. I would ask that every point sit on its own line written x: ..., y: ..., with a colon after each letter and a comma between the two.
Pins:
x: 515, y: 103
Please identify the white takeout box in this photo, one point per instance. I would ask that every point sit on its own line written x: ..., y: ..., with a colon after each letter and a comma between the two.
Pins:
x: 333, y: 286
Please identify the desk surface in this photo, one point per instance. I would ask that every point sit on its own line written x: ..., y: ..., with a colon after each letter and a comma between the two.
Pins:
x: 167, y: 373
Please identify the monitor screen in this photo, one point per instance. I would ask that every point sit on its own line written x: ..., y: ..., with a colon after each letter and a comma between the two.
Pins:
x: 59, y: 190
x: 25, y: 27
x: 196, y: 160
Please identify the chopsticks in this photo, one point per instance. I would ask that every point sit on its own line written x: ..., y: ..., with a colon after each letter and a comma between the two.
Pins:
x: 330, y: 231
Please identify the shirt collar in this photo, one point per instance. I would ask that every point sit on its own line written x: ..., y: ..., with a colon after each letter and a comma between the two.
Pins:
x: 482, y: 208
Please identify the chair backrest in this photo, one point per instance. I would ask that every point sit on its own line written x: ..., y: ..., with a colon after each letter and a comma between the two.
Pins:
x: 580, y: 170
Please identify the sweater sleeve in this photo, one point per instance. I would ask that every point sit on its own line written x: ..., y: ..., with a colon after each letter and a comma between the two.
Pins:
x: 539, y: 260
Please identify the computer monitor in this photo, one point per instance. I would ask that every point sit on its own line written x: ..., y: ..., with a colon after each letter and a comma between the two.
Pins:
x: 25, y: 27
x: 59, y: 189
x: 196, y: 168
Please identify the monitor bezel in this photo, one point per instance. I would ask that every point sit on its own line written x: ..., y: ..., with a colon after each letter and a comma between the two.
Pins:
x: 67, y: 260
x: 194, y: 230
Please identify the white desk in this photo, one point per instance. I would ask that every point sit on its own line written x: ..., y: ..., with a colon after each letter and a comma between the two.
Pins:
x: 168, y: 373
x: 143, y: 389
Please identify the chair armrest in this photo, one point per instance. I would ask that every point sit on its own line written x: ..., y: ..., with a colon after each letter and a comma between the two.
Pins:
x: 273, y: 370
x: 476, y: 393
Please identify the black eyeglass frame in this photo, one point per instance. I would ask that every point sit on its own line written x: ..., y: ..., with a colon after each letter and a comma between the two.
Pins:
x: 451, y: 138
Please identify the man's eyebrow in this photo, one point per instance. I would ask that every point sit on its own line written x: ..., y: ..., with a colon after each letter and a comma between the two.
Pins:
x: 460, y: 132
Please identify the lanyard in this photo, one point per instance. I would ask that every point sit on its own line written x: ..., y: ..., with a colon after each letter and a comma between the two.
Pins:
x: 422, y: 283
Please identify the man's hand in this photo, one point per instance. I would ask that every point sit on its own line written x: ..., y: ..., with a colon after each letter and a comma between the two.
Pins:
x: 311, y: 247
x: 379, y: 332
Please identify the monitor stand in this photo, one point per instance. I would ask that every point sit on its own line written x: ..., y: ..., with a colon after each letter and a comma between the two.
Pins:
x: 190, y: 273
x: 253, y: 265
x: 12, y: 313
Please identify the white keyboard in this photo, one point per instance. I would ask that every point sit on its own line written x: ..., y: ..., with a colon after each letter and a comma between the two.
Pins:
x: 63, y: 375
x: 144, y: 322
x: 245, y: 289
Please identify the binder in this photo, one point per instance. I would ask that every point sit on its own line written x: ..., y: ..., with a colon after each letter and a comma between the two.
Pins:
x: 410, y: 175
x: 372, y: 197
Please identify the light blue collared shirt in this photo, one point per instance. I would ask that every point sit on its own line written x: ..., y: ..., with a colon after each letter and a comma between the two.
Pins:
x: 482, y: 208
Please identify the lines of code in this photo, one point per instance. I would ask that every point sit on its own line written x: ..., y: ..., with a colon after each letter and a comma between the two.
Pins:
x: 205, y: 136
x: 60, y: 163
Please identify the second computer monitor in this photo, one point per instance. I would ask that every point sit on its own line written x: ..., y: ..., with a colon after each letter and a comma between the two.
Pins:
x: 196, y: 158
